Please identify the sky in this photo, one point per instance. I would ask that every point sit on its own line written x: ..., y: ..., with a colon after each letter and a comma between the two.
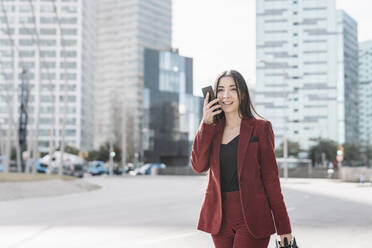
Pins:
x: 220, y: 35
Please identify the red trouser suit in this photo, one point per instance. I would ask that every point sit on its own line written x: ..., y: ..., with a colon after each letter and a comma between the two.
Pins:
x: 259, y: 186
x: 233, y: 232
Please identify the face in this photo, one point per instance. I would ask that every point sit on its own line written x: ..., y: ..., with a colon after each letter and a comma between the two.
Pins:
x: 227, y: 93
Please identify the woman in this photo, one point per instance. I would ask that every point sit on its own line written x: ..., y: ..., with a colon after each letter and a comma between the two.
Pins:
x: 243, y: 197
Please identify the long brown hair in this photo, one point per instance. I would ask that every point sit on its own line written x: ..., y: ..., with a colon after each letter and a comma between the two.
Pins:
x: 246, y: 108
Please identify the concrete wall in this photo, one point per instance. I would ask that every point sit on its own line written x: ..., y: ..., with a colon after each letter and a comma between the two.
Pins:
x: 351, y: 174
x: 355, y: 174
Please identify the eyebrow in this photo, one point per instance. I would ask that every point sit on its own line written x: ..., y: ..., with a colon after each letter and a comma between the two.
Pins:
x: 220, y: 86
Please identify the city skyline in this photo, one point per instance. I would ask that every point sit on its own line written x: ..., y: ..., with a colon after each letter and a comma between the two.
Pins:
x: 189, y: 35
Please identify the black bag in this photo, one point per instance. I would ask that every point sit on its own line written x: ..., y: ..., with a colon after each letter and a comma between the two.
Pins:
x: 292, y: 244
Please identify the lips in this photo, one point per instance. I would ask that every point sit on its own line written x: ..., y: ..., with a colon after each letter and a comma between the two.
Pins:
x: 227, y: 103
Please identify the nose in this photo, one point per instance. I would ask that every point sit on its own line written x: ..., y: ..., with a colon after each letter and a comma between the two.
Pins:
x: 225, y: 94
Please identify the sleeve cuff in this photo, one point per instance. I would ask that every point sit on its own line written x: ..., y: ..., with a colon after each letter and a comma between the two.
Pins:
x: 208, y: 128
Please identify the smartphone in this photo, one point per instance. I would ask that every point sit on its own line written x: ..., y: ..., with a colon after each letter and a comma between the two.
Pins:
x: 211, y: 95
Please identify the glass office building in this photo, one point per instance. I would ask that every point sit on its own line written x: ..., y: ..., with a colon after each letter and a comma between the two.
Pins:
x: 124, y: 29
x: 171, y: 113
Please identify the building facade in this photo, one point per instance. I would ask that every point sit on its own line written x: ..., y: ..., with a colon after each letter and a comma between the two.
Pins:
x: 305, y: 70
x: 124, y: 30
x: 365, y: 92
x: 171, y: 112
x: 53, y: 43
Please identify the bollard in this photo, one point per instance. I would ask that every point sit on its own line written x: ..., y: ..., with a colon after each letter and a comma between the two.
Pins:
x: 361, y: 179
x: 154, y: 171
x: 330, y: 173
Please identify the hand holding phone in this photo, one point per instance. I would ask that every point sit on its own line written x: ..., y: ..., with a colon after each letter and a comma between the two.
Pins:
x: 211, y: 106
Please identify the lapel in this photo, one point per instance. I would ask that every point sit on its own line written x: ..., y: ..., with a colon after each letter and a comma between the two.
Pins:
x: 246, y: 128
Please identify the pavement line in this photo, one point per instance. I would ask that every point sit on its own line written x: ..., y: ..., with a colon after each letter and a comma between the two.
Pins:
x: 167, y: 238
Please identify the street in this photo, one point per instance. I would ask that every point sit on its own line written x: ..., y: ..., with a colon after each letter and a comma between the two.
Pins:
x: 162, y: 211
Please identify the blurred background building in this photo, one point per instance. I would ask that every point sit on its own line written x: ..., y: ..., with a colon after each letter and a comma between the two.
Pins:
x: 53, y: 43
x: 365, y: 91
x: 172, y: 114
x: 307, y: 70
x: 124, y: 30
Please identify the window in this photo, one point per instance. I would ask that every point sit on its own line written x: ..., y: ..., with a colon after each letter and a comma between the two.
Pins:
x: 68, y: 9
x: 47, y: 8
x: 71, y: 20
x: 48, y: 31
x: 25, y: 8
x: 48, y: 64
x: 69, y: 42
x: 70, y: 87
x: 45, y: 120
x: 26, y: 64
x: 5, y: 42
x: 28, y: 42
x: 48, y: 87
x: 27, y: 31
x: 48, y: 76
x: 47, y: 53
x: 69, y: 65
x: 71, y: 54
x: 71, y: 76
x: 48, y: 20
x: 69, y: 31
x: 47, y: 42
x: 47, y: 98
x: 26, y: 19
x: 28, y: 76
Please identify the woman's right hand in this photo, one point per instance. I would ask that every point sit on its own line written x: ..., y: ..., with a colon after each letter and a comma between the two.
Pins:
x: 208, y: 112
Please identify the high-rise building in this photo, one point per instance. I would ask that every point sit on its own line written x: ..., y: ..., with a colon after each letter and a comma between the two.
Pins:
x: 124, y: 29
x: 53, y: 43
x: 306, y: 73
x: 349, y: 75
x: 365, y: 92
x: 172, y: 114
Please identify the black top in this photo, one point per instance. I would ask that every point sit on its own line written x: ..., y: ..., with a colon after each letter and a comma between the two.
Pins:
x: 228, y: 166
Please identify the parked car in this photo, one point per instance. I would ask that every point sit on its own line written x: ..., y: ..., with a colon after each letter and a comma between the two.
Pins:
x: 97, y: 168
x: 146, y: 169
x: 118, y: 171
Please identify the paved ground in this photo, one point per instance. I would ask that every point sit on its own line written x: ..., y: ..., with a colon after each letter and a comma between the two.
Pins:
x: 43, y: 188
x: 162, y: 211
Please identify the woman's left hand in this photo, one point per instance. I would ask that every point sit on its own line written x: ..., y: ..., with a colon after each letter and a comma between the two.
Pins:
x: 288, y: 236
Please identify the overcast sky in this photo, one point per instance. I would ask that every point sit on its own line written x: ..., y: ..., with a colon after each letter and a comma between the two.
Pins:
x: 220, y: 35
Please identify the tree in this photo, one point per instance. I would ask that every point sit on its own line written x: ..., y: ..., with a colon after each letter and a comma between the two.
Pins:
x: 352, y: 152
x: 103, y: 153
x: 293, y: 149
x: 329, y: 147
x: 70, y: 149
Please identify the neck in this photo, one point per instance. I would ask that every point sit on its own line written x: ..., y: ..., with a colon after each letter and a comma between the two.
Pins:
x: 232, y: 120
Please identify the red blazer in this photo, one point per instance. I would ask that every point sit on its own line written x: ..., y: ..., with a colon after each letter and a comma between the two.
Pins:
x: 259, y: 185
